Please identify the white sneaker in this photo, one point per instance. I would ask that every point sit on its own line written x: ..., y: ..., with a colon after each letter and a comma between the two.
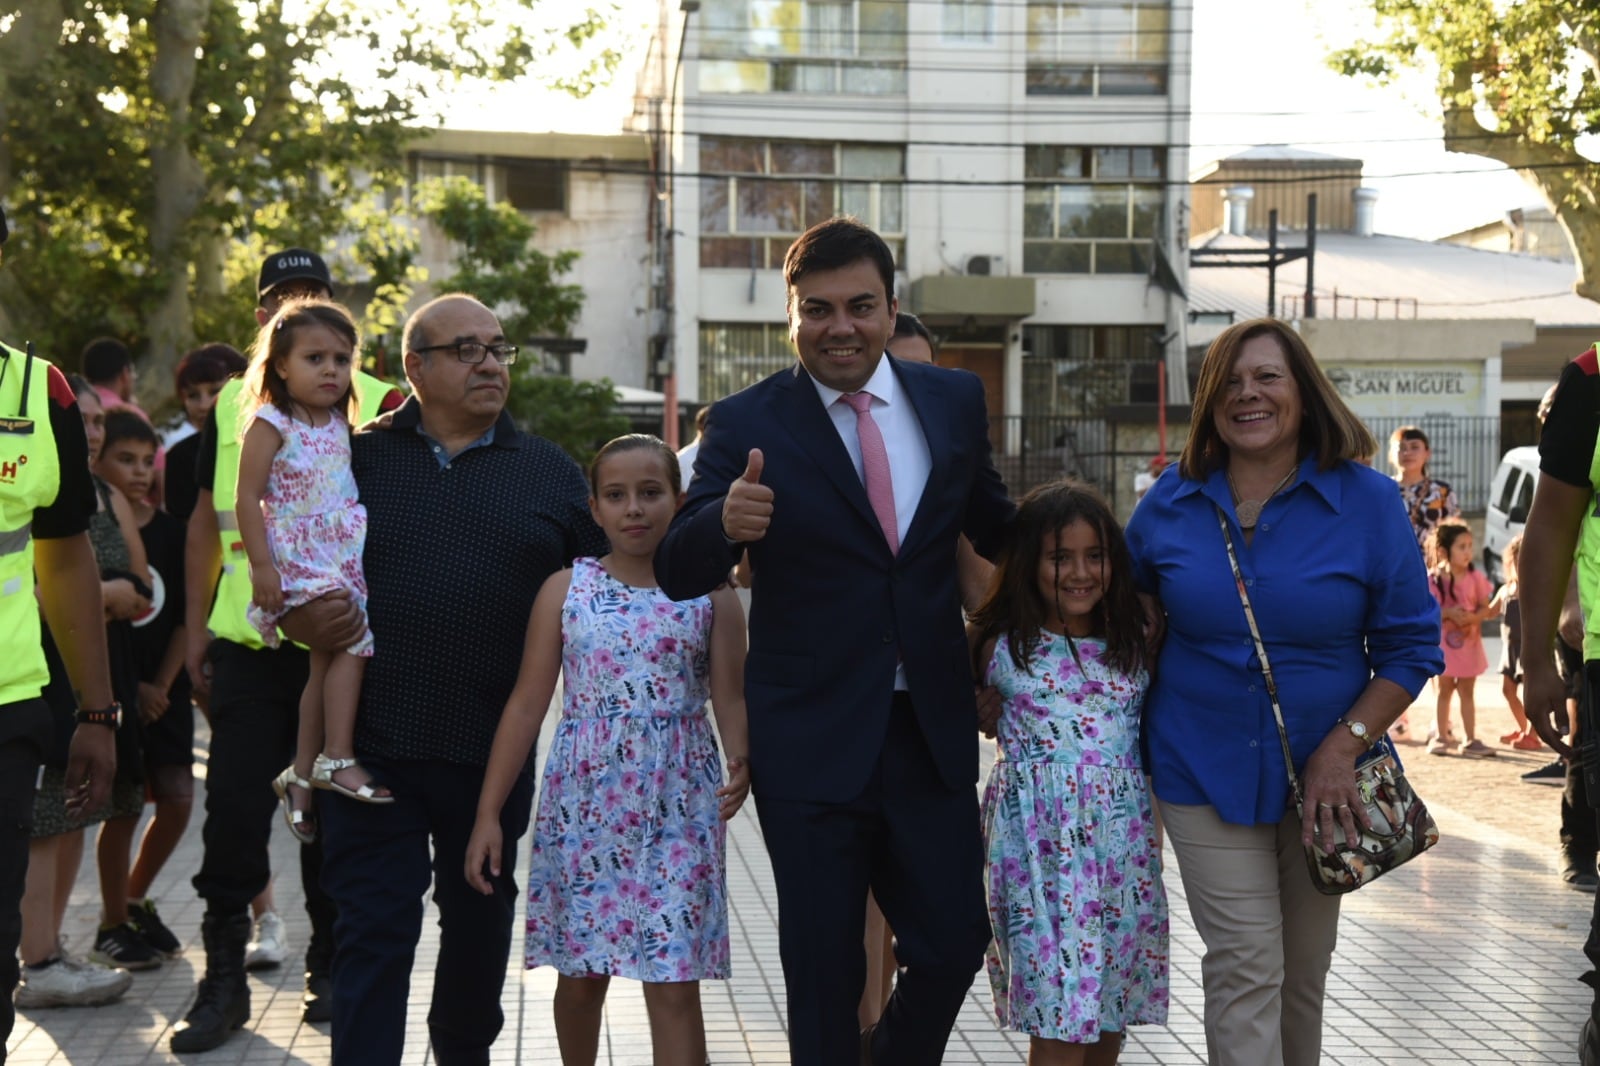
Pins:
x: 70, y: 982
x: 269, y: 947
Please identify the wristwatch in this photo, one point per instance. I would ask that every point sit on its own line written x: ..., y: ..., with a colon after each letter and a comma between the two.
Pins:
x: 1359, y: 730
x: 111, y: 716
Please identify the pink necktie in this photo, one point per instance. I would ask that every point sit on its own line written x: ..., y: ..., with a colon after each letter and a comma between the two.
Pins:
x: 875, y: 467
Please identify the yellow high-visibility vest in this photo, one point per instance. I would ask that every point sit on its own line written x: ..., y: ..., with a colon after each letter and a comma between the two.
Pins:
x: 1588, y: 559
x: 30, y: 478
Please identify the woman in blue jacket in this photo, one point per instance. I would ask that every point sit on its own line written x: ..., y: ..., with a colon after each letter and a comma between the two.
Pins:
x: 1341, y: 597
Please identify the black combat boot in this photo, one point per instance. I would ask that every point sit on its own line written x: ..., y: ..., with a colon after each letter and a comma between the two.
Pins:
x: 222, y: 1002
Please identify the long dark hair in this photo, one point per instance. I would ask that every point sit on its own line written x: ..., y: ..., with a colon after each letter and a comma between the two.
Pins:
x: 1445, y: 534
x: 275, y: 343
x: 1013, y: 605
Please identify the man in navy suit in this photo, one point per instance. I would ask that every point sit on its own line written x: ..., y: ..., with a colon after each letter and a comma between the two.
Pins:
x: 849, y: 479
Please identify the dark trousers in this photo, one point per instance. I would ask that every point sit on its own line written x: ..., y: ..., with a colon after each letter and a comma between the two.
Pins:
x: 255, y: 714
x: 917, y: 844
x: 378, y: 870
x: 1588, y: 765
x: 20, y: 757
x: 1579, y: 838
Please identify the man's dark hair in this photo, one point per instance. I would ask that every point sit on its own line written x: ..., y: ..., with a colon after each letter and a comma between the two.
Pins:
x: 123, y: 424
x: 907, y: 324
x: 838, y: 243
x: 209, y: 364
x: 104, y: 358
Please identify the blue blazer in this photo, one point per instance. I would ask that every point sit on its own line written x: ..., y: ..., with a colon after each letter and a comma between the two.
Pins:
x: 832, y: 610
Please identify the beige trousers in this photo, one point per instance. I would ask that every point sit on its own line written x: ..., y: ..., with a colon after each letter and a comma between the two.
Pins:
x: 1269, y: 936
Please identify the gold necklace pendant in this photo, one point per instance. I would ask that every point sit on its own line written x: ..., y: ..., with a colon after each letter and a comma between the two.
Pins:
x: 1249, y: 511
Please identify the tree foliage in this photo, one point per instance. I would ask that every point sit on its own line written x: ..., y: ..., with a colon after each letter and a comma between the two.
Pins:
x: 1519, y: 82
x: 152, y: 150
x: 496, y: 261
x: 578, y: 415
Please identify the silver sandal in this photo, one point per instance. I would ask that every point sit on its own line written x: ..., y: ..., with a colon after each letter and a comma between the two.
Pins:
x: 323, y: 769
x: 301, y: 825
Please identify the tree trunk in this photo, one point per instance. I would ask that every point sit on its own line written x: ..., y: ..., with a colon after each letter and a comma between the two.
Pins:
x: 1573, y: 192
x: 180, y: 187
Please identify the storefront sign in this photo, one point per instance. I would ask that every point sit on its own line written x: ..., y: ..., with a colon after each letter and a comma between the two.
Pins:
x: 1383, y: 390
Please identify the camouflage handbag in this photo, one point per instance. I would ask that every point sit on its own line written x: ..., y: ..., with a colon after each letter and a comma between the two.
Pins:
x: 1401, y: 827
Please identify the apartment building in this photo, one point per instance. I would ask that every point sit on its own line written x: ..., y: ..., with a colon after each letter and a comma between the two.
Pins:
x: 1025, y: 158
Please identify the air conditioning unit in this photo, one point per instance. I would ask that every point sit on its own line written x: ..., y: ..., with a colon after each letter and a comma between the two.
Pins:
x: 984, y: 265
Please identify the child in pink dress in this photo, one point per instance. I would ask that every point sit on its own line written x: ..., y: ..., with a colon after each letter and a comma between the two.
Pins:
x: 1465, y: 599
x: 304, y: 528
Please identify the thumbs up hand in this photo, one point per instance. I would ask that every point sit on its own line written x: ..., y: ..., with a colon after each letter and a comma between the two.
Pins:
x: 747, y: 508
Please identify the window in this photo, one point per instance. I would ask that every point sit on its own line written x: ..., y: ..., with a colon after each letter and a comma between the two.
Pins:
x: 970, y: 21
x: 756, y: 197
x: 1077, y: 371
x: 735, y: 355
x: 803, y: 46
x: 534, y: 184
x: 1091, y: 210
x: 526, y: 184
x: 1097, y: 48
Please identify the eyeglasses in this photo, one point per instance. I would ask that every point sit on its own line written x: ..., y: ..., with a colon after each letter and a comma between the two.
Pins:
x: 472, y: 353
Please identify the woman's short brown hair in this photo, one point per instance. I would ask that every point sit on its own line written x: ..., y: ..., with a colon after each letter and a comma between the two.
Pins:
x: 1328, y: 428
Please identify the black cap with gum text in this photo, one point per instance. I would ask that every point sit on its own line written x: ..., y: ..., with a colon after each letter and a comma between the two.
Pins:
x: 292, y: 264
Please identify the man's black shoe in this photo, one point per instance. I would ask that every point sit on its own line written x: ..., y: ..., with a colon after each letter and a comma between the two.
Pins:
x: 319, y: 998
x: 1579, y: 873
x: 222, y: 1003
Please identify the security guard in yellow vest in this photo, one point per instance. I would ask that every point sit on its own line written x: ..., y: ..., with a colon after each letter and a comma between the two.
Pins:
x: 1563, y: 527
x: 46, y: 499
x: 253, y: 694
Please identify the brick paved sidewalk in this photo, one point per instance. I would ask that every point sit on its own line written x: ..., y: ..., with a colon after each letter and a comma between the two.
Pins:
x: 1467, y: 955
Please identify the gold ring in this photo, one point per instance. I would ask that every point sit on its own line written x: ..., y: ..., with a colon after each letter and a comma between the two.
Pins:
x: 1325, y: 806
x: 1344, y: 806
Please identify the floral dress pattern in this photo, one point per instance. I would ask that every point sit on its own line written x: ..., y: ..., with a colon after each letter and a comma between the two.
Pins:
x: 1428, y: 502
x: 627, y: 874
x: 316, y: 526
x: 1074, y: 883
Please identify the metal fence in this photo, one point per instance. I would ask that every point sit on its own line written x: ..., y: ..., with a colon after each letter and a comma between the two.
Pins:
x: 1030, y: 450
x: 1466, y: 452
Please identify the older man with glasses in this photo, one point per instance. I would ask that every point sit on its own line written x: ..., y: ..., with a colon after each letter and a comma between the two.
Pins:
x: 467, y: 516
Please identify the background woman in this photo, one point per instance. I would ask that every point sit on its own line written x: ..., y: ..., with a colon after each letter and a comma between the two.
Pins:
x: 1427, y: 501
x: 1351, y: 629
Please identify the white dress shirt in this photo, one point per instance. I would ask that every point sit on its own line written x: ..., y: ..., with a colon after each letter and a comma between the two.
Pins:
x: 903, y: 439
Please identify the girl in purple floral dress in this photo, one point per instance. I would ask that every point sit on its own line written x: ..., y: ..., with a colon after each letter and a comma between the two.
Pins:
x: 626, y: 877
x: 1075, y: 894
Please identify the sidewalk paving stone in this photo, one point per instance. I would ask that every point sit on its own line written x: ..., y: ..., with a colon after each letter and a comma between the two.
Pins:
x: 1470, y: 954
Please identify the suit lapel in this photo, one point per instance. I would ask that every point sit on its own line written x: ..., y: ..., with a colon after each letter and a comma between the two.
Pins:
x: 799, y: 410
x: 930, y: 407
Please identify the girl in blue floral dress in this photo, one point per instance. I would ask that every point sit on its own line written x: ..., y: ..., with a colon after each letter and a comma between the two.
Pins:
x: 627, y: 875
x: 1074, y: 884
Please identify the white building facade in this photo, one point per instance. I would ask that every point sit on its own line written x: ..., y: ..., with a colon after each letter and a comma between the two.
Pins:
x: 1025, y: 160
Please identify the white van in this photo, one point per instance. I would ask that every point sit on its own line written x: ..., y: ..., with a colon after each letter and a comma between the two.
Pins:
x: 1510, y: 496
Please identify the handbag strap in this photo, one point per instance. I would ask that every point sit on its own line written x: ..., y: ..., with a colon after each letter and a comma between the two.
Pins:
x: 1261, y: 653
